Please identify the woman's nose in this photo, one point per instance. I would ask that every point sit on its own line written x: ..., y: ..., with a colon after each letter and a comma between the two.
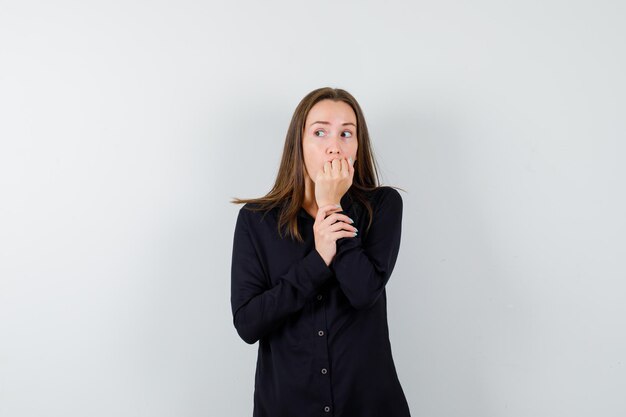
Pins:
x: 334, y: 149
x: 335, y: 142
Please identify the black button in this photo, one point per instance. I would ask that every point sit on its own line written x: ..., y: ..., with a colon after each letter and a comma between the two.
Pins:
x: 319, y: 296
x: 327, y: 409
x: 324, y: 371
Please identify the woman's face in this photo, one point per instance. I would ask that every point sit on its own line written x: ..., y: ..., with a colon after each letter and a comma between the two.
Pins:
x: 329, y: 133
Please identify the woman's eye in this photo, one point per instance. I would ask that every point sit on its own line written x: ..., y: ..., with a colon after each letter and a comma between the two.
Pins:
x: 345, y: 131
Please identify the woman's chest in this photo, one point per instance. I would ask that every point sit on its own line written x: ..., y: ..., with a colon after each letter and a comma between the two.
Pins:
x: 277, y: 254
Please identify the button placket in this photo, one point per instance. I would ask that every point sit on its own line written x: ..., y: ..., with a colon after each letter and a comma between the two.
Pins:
x: 322, y: 355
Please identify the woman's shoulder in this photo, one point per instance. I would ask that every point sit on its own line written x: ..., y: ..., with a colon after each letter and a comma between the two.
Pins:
x: 386, y: 195
x: 254, y: 212
x: 380, y: 200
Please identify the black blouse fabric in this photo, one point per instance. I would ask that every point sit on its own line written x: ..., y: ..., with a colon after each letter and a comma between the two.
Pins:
x: 323, y: 337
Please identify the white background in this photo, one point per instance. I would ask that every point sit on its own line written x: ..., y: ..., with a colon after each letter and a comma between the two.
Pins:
x: 127, y: 126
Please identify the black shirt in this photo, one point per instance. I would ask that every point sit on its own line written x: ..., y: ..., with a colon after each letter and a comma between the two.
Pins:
x: 324, y: 345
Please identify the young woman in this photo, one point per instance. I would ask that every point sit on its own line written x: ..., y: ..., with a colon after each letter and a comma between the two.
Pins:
x: 309, y: 267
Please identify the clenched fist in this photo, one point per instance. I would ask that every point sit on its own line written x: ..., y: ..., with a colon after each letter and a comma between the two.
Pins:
x: 333, y: 181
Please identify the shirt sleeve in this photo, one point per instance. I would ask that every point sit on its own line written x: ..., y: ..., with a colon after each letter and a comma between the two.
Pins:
x: 363, y: 267
x: 257, y: 307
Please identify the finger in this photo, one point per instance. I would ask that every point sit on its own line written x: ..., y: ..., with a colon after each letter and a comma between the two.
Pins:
x: 338, y: 235
x: 335, y: 218
x: 326, y: 167
x: 345, y: 167
x: 352, y: 161
x: 323, y: 211
x: 336, y: 166
x: 342, y: 226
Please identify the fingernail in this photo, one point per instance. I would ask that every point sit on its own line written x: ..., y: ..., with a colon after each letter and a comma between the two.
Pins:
x: 351, y: 221
x: 338, y: 205
x: 350, y: 159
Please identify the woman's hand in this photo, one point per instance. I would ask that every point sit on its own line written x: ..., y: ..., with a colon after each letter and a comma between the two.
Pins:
x: 328, y: 229
x: 333, y: 181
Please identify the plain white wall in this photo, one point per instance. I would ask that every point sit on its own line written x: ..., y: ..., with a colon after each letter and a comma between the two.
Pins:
x: 127, y: 126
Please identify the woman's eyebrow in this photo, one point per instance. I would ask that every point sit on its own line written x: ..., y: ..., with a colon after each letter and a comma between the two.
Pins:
x: 327, y: 123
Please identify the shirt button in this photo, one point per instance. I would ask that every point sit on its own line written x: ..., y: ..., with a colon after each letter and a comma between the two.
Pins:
x: 319, y: 296
x: 324, y: 371
x: 320, y: 333
x: 327, y: 409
